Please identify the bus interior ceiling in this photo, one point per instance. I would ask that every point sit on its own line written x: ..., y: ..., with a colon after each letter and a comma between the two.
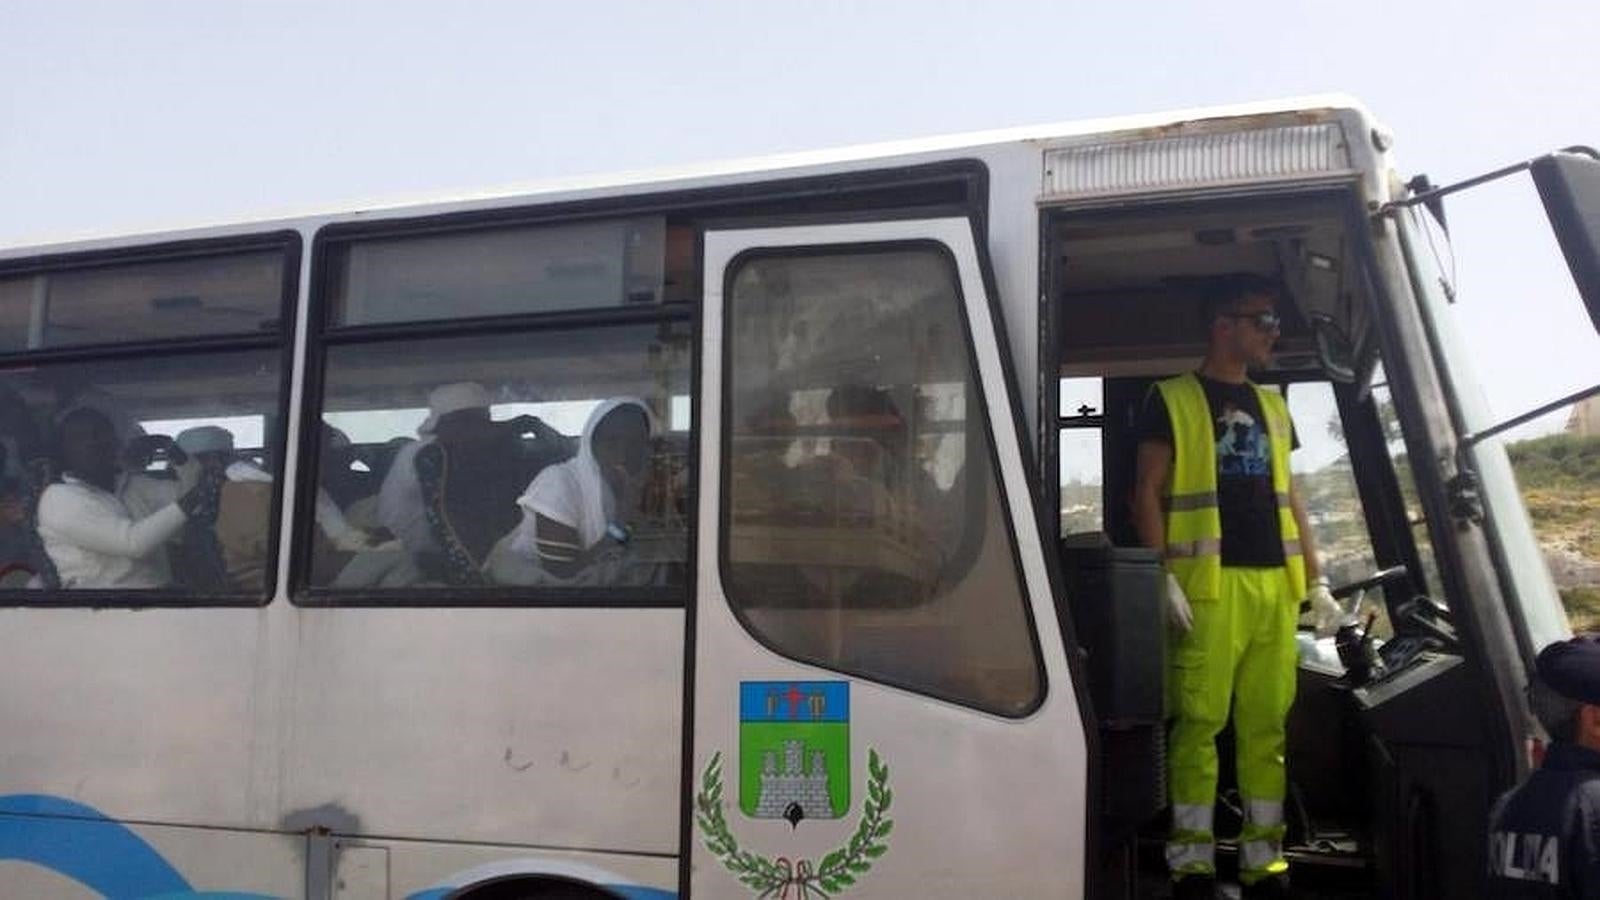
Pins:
x: 1127, y: 287
x: 1128, y: 282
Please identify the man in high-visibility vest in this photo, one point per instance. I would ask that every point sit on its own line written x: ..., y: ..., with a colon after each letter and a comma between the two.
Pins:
x: 1215, y: 497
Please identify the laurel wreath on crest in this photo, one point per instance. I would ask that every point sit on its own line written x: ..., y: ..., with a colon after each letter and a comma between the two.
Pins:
x: 777, y: 876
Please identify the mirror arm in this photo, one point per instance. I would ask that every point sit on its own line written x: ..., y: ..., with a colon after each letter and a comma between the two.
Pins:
x: 1471, y: 440
x: 1435, y: 193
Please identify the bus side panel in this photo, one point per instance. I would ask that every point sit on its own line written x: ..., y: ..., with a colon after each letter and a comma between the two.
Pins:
x: 554, y: 727
x: 146, y: 715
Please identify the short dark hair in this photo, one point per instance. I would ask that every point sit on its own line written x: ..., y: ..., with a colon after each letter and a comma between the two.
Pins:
x: 1222, y: 294
x: 1558, y: 714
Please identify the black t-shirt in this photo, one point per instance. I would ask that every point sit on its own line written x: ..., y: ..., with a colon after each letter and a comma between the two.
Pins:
x: 1245, y: 498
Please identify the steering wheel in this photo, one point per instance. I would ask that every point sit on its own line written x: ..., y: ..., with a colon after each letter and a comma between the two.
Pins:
x: 1380, y: 577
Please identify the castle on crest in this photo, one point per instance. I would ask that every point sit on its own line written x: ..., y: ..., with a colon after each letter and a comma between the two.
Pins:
x: 794, y: 786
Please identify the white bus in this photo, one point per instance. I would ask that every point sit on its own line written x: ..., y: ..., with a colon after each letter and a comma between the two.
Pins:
x: 701, y: 533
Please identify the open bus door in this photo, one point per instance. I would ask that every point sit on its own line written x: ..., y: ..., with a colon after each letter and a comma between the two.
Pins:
x: 881, y: 696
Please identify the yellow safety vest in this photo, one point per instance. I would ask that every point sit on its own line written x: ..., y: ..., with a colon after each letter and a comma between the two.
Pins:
x: 1194, y: 523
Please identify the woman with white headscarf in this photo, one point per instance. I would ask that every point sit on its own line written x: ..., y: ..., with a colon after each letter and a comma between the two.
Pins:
x: 577, y: 512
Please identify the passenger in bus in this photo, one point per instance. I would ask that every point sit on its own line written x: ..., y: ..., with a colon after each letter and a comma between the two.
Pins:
x: 22, y: 478
x: 339, y: 485
x: 876, y: 453
x: 91, y: 535
x: 446, y: 496
x: 228, y: 553
x: 401, y: 506
x: 579, y: 517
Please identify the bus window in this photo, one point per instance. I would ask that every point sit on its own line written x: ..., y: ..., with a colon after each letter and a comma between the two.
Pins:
x: 535, y: 459
x: 865, y: 531
x: 1416, y: 520
x: 1082, y: 460
x: 240, y: 293
x: 16, y: 311
x: 1327, y: 484
x: 136, y: 467
x: 582, y: 265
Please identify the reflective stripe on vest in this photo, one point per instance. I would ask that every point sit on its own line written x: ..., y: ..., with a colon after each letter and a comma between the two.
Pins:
x: 1193, y: 521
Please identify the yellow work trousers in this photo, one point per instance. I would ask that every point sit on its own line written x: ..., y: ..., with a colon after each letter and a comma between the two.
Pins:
x: 1240, y: 653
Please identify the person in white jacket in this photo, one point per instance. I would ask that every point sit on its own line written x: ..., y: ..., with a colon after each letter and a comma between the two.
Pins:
x: 89, y: 532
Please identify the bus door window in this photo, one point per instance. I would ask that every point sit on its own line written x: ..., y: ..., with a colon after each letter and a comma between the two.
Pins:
x: 865, y: 532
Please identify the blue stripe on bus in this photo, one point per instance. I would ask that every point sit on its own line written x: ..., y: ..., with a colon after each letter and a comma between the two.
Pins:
x: 80, y: 843
x: 635, y: 892
x: 794, y: 701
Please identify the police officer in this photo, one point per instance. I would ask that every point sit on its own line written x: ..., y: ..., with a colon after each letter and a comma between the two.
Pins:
x: 1544, y: 835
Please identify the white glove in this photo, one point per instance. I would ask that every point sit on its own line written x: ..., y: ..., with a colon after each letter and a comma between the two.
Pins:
x: 1179, y: 615
x: 1326, y: 613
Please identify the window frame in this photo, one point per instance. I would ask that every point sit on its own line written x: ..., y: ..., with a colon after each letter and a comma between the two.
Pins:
x: 288, y: 242
x: 979, y: 408
x: 322, y: 336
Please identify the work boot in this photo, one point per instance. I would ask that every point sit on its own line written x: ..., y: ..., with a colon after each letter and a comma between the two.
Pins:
x: 1275, y: 887
x: 1195, y: 887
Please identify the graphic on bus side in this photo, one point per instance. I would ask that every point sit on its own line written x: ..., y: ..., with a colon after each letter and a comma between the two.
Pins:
x: 794, y: 764
x: 794, y: 749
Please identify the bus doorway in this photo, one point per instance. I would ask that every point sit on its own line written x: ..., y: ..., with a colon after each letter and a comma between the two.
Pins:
x: 1387, y: 787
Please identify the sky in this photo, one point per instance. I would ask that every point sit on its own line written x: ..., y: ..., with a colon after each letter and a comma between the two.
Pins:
x: 130, y: 116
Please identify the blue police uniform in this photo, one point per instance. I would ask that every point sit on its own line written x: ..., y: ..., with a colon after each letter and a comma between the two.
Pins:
x: 1544, y: 835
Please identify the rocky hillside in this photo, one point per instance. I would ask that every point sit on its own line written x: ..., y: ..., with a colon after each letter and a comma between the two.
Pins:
x: 1560, y: 479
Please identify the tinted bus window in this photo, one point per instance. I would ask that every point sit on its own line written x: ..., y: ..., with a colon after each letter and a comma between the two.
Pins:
x: 16, y: 311
x: 506, y: 271
x: 146, y: 301
x: 134, y: 474
x: 152, y: 474
x: 534, y: 459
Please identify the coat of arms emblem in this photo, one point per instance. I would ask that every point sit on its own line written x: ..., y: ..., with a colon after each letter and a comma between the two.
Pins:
x: 794, y: 749
x: 794, y: 764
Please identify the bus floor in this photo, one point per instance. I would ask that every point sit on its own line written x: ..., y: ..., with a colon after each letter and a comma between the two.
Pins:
x: 1329, y: 850
x: 1325, y: 872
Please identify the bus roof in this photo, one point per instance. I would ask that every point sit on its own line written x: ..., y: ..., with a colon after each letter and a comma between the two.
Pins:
x: 693, y: 175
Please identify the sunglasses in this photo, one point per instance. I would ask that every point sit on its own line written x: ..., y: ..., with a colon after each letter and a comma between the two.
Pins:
x: 1266, y: 321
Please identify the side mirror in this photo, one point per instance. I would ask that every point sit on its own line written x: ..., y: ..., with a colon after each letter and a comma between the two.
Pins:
x: 1335, y: 350
x: 1569, y: 185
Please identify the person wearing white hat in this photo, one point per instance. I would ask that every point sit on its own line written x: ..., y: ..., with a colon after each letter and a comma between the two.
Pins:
x: 401, y: 508
x: 230, y: 552
x: 448, y: 497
